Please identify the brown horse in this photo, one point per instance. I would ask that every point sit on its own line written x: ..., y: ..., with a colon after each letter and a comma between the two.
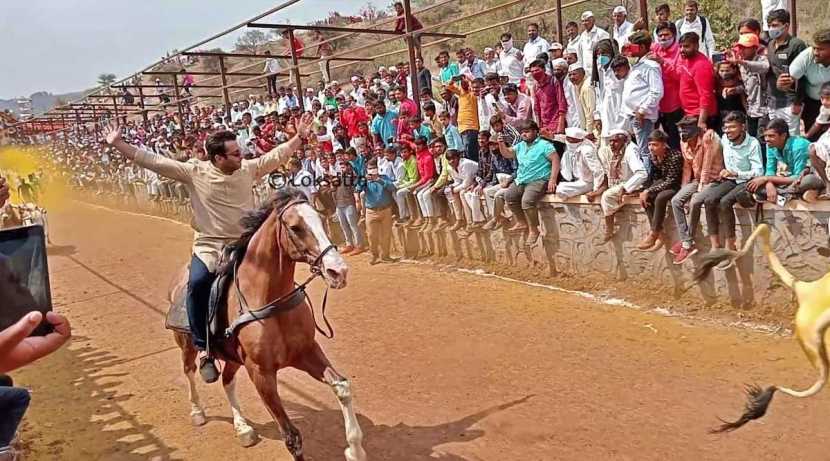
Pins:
x: 285, y: 231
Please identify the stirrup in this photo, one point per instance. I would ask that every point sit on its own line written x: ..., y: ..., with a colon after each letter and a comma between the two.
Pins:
x: 208, y: 370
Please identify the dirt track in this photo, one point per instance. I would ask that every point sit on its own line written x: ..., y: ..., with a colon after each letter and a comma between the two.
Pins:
x: 445, y: 365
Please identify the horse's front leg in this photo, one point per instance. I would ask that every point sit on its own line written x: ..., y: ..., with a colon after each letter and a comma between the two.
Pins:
x: 246, y: 434
x: 316, y: 364
x: 265, y: 382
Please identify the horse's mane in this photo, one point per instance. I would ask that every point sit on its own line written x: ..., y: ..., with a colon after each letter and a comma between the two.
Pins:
x: 251, y: 223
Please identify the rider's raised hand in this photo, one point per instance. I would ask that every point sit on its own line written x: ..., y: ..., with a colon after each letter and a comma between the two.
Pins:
x: 305, y: 124
x: 112, y: 133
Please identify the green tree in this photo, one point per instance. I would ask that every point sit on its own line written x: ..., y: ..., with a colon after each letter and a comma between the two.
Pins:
x: 251, y: 40
x: 106, y: 79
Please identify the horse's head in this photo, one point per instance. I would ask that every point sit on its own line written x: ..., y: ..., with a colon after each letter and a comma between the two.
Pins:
x: 305, y: 239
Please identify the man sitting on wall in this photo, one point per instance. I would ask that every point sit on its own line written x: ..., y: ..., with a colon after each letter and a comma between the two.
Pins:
x: 578, y: 164
x: 624, y: 175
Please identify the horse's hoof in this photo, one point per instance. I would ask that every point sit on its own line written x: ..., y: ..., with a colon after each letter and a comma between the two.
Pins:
x: 198, y: 419
x: 248, y: 438
x: 355, y: 455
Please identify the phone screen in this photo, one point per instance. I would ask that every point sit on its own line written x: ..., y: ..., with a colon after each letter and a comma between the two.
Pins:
x: 24, y: 276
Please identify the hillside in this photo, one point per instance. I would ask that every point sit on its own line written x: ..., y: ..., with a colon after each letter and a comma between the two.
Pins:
x: 42, y: 101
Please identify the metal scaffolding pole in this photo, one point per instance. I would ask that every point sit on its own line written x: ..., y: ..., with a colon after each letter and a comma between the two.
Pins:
x: 222, y: 74
x: 410, y: 43
x: 296, y: 70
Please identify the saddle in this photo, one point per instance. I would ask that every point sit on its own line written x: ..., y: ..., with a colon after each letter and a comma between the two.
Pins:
x: 177, y: 319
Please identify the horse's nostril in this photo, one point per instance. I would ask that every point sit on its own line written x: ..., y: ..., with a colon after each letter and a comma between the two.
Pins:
x: 333, y: 274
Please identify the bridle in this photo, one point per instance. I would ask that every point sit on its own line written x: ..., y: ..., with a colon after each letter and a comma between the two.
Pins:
x: 291, y: 299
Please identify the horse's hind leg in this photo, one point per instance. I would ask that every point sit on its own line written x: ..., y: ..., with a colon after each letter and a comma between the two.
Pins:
x: 246, y: 434
x: 316, y: 364
x: 265, y: 382
x: 189, y: 353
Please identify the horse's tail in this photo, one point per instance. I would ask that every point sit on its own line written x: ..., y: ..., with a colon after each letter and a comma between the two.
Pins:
x: 758, y: 400
x: 717, y: 257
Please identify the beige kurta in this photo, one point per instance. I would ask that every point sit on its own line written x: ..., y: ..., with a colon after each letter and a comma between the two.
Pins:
x: 219, y: 201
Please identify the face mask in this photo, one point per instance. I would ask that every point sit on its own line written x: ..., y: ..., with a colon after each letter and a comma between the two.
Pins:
x: 776, y: 32
x: 572, y: 145
x: 824, y: 115
x: 538, y: 76
x: 666, y: 43
x: 603, y: 60
x: 508, y: 45
x: 632, y: 60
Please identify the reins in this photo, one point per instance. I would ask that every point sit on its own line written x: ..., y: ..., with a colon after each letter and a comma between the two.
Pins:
x: 289, y: 300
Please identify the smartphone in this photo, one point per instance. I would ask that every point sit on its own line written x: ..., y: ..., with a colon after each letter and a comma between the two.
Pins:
x: 456, y: 78
x: 718, y: 57
x: 24, y: 276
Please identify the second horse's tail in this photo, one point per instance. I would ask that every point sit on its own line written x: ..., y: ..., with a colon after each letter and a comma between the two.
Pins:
x: 717, y: 257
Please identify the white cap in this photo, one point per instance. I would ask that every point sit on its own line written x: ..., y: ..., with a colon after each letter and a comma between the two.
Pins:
x: 488, y: 49
x: 617, y: 132
x: 587, y: 14
x: 575, y: 132
x: 393, y: 69
x: 559, y: 62
x: 355, y: 78
x: 575, y: 66
x: 381, y: 69
x: 334, y: 83
x: 555, y: 46
x: 620, y: 9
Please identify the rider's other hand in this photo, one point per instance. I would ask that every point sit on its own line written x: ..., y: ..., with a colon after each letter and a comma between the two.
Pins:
x: 18, y: 349
x: 112, y: 133
x: 304, y: 127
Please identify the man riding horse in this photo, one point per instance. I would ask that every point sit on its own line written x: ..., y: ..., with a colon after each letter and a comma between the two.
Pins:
x: 221, y: 192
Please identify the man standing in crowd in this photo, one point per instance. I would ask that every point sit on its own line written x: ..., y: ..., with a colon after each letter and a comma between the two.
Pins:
x: 535, y: 45
x: 588, y: 39
x: 468, y: 125
x: 518, y: 106
x: 510, y: 60
x: 666, y: 52
x: 781, y: 52
x: 377, y: 193
x: 754, y: 69
x: 551, y: 106
x: 586, y: 98
x: 621, y: 28
x: 537, y: 175
x: 811, y: 68
x: 697, y: 83
x: 383, y: 126
x: 642, y: 91
x: 693, y: 22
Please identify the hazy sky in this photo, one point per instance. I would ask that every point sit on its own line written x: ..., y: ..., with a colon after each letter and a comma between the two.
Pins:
x: 63, y: 45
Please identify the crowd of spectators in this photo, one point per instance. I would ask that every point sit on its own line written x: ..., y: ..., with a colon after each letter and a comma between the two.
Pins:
x: 659, y: 116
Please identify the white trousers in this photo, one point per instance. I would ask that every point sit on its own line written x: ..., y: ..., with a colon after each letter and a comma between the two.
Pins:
x: 573, y: 188
x: 400, y: 199
x: 426, y: 202
x: 473, y: 202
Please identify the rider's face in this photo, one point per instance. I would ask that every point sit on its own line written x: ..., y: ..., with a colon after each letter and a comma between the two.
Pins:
x: 231, y: 160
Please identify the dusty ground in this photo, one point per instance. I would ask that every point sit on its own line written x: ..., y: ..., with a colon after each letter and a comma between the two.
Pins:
x: 446, y: 366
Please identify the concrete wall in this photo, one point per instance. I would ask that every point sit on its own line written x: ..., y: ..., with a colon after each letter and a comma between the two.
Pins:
x: 570, y: 244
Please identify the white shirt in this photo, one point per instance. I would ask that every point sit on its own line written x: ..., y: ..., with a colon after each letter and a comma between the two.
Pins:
x: 575, y: 162
x: 493, y: 67
x: 272, y: 66
x: 486, y: 110
x: 534, y: 48
x: 511, y: 65
x: 393, y: 169
x: 642, y: 90
x: 622, y: 32
x: 707, y: 43
x: 359, y: 95
x: 574, y: 115
x: 587, y: 42
x: 465, y: 175
x: 609, y: 102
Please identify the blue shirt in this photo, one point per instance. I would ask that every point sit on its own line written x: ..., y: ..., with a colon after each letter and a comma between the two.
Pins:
x: 384, y: 126
x: 423, y: 132
x: 743, y: 159
x: 378, y: 192
x: 796, y: 156
x: 453, y: 138
x: 534, y: 164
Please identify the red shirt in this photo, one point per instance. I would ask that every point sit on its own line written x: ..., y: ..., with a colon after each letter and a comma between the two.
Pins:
x: 551, y: 105
x: 400, y: 24
x: 697, y: 85
x: 671, y: 81
x: 426, y: 167
x: 407, y: 109
x: 351, y: 117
